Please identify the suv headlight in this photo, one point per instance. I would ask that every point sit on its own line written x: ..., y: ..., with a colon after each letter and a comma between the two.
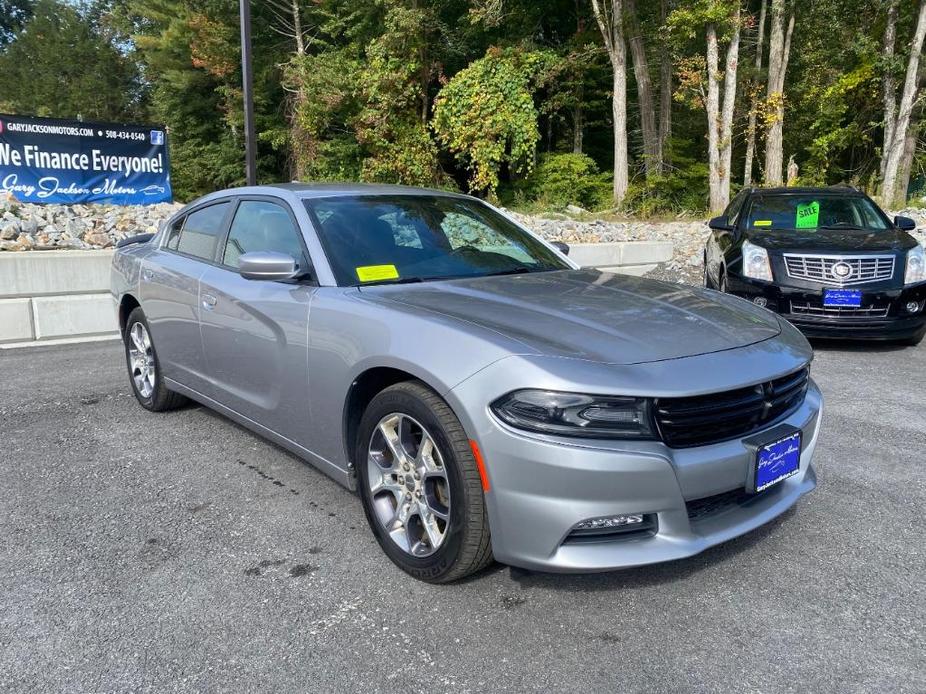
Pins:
x: 755, y: 262
x: 575, y: 414
x: 916, y: 265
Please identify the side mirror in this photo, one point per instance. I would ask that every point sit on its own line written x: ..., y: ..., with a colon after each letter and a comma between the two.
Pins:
x: 267, y: 265
x: 904, y: 223
x: 719, y: 224
x: 561, y: 247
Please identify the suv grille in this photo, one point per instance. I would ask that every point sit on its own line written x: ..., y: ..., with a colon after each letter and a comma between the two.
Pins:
x: 839, y: 270
x: 705, y: 419
x: 815, y: 309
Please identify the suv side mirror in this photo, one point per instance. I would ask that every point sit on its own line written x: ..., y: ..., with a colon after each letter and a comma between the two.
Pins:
x: 719, y: 224
x: 904, y: 223
x: 267, y: 265
x: 561, y: 247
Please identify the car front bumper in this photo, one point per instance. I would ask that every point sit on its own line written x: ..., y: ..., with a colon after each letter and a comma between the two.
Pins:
x: 542, y: 487
x: 897, y: 324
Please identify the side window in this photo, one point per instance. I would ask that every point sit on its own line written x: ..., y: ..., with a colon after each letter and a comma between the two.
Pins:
x: 260, y: 225
x: 733, y: 211
x: 202, y: 230
x: 173, y: 236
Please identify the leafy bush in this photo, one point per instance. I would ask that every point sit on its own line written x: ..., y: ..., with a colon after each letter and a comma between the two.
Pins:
x: 566, y: 179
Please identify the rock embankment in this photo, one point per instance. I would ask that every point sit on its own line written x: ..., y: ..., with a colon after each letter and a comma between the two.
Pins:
x: 26, y: 227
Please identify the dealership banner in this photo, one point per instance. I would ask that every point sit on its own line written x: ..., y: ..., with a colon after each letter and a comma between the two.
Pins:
x: 47, y: 160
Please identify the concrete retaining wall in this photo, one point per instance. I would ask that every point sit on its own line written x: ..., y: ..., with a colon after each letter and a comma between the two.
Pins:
x: 53, y: 295
x: 50, y: 295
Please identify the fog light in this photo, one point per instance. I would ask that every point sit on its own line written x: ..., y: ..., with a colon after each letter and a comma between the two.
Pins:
x: 609, y: 522
x: 913, y: 306
x: 760, y: 301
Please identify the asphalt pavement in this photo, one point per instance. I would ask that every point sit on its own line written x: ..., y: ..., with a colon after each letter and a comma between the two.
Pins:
x: 179, y: 552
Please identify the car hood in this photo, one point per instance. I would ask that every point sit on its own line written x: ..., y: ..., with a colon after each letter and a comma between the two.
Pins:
x: 588, y: 314
x: 831, y: 240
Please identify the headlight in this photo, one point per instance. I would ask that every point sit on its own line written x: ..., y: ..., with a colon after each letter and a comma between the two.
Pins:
x: 575, y: 414
x: 916, y: 265
x: 755, y: 262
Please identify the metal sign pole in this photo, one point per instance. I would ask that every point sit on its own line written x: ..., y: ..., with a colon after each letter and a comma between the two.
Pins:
x: 247, y: 79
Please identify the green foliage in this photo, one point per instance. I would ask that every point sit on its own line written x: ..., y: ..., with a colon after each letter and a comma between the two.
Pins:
x: 683, y: 189
x: 448, y: 93
x: 566, y: 179
x: 63, y: 65
x: 486, y: 115
x: 13, y: 15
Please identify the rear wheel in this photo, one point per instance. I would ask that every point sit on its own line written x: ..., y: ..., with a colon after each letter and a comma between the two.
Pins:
x: 707, y: 276
x: 723, y: 282
x: 144, y: 369
x: 421, y: 488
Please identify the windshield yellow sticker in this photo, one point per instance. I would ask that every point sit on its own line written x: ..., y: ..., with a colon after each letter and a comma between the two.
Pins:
x: 374, y: 273
x: 807, y: 215
x: 762, y: 223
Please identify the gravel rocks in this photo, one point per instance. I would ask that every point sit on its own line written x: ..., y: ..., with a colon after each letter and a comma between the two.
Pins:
x: 28, y: 227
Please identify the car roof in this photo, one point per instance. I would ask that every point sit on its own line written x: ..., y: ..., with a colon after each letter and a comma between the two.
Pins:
x: 808, y: 190
x: 316, y: 190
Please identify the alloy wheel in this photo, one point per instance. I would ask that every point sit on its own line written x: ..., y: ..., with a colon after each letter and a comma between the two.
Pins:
x: 141, y: 360
x: 408, y: 484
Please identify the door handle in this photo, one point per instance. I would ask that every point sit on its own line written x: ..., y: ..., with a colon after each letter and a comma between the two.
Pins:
x: 209, y: 301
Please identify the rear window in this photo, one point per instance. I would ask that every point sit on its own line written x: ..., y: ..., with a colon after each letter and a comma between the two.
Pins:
x: 811, y: 212
x: 200, y: 233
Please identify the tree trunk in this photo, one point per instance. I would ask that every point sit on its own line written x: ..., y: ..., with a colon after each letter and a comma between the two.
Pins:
x: 297, y: 28
x: 578, y: 125
x: 888, y: 86
x: 891, y: 191
x: 720, y: 115
x: 754, y: 105
x: 906, y: 161
x: 779, y: 48
x: 713, y: 119
x: 651, y: 161
x: 729, y: 102
x: 609, y: 17
x: 665, y: 93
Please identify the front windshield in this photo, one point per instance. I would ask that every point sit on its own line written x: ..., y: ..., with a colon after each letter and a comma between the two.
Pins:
x: 812, y: 212
x: 408, y: 238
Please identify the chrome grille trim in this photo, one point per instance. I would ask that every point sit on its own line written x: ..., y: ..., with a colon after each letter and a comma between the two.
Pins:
x: 808, y: 309
x: 819, y: 268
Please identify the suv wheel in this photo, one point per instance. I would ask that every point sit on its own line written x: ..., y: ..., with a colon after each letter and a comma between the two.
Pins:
x: 421, y: 488
x: 144, y: 370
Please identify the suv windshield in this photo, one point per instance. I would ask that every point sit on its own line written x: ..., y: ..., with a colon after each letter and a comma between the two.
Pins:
x: 811, y: 212
x: 411, y: 238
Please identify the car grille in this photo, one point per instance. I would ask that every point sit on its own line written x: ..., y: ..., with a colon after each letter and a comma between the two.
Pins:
x: 818, y: 310
x: 706, y: 419
x: 708, y: 506
x: 840, y: 270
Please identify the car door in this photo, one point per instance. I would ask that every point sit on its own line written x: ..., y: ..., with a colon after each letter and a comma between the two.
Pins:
x: 722, y: 240
x: 169, y: 290
x: 255, y: 332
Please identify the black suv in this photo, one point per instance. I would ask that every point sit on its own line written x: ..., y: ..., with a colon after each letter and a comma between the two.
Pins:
x: 827, y: 259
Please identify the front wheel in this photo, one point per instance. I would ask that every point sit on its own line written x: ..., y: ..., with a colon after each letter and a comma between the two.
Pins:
x: 144, y: 368
x: 421, y: 488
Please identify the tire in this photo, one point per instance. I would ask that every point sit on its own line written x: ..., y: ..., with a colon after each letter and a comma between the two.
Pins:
x: 707, y: 278
x: 150, y: 391
x: 444, y: 479
x: 723, y: 282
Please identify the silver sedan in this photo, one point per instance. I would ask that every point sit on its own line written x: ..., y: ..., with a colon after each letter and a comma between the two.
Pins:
x: 485, y: 396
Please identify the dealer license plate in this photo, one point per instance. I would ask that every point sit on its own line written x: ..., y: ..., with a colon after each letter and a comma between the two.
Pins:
x: 778, y: 461
x: 842, y: 297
